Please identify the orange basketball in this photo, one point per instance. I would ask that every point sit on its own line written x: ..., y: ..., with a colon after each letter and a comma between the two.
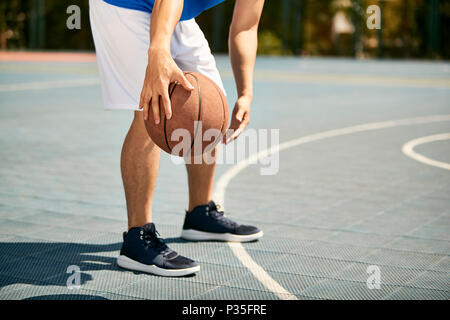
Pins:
x: 199, y: 118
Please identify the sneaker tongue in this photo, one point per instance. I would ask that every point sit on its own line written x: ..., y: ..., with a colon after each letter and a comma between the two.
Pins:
x: 150, y: 227
x: 212, y: 205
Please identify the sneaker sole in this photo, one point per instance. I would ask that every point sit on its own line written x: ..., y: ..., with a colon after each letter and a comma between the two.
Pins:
x: 127, y: 263
x: 195, y: 235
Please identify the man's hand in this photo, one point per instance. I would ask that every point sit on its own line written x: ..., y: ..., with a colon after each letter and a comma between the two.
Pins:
x: 161, y: 71
x: 239, y: 119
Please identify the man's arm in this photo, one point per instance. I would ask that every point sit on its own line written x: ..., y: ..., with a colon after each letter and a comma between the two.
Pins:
x: 161, y: 69
x: 243, y: 43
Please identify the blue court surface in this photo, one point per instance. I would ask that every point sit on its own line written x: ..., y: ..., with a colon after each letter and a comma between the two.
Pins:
x: 359, y: 208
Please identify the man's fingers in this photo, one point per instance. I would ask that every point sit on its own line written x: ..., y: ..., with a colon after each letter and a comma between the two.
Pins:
x: 233, y: 133
x: 237, y: 132
x: 184, y: 82
x: 227, y: 136
x: 146, y: 106
x: 166, y: 105
x: 240, y: 115
x: 144, y: 102
x: 155, y: 108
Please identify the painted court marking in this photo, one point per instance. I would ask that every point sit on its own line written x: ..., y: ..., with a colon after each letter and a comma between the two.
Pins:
x: 224, y: 180
x: 323, y: 79
x: 24, y: 56
x: 408, y: 149
x: 347, y: 79
x: 40, y: 85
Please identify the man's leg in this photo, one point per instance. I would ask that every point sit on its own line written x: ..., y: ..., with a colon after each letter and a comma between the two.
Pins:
x: 200, y: 179
x: 139, y: 165
x: 204, y: 220
x: 142, y: 249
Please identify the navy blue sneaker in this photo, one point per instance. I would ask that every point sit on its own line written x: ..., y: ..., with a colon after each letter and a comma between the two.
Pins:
x: 206, y: 222
x: 142, y: 250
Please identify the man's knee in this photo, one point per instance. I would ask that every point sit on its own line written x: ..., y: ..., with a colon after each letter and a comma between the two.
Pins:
x: 137, y: 127
x: 138, y: 118
x: 138, y: 132
x: 138, y: 124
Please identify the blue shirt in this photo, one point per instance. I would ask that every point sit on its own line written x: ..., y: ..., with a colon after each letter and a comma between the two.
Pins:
x: 191, y: 8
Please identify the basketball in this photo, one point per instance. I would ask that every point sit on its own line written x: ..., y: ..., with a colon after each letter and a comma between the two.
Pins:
x: 199, y: 118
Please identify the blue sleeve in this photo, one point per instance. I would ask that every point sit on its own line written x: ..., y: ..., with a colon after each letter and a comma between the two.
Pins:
x: 193, y: 8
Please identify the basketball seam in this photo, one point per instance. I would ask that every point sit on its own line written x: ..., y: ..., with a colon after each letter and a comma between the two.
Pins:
x: 165, y: 120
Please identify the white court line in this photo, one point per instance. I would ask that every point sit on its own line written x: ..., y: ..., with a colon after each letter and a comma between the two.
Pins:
x: 39, y: 85
x: 260, y: 274
x: 262, y: 76
x: 349, y: 79
x: 223, y: 182
x: 408, y: 149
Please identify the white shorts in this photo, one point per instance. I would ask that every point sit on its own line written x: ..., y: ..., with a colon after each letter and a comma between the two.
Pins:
x: 122, y: 39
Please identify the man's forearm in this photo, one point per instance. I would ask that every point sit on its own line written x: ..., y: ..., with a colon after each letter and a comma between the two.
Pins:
x: 242, y: 47
x: 243, y: 43
x: 165, y: 16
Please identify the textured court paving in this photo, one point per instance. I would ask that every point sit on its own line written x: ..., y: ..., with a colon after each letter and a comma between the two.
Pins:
x: 337, y: 205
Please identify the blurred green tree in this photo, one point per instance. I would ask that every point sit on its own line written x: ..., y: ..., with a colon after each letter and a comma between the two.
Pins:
x: 410, y: 28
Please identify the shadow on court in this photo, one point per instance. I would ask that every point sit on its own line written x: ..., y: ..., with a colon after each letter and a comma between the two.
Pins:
x: 42, y: 263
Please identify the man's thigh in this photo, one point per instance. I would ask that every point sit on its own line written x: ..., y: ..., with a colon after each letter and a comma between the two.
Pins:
x: 121, y: 38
